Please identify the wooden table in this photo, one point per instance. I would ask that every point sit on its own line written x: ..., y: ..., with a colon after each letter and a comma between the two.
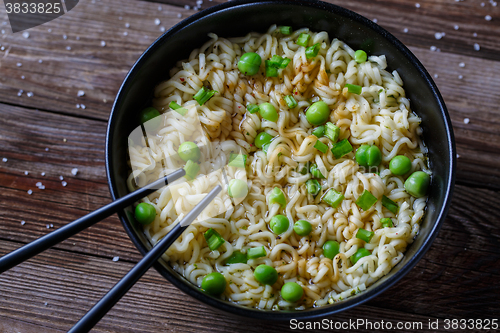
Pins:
x: 47, y: 129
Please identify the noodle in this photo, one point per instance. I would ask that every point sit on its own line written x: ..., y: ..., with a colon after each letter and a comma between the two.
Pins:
x: 379, y: 116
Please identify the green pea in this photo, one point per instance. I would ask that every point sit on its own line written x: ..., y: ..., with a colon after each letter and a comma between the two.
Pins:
x: 302, y: 228
x: 331, y: 249
x: 249, y: 63
x: 279, y: 224
x: 214, y: 284
x: 266, y: 274
x: 360, y: 56
x: 237, y: 189
x: 292, y: 292
x: 145, y: 213
x: 262, y: 138
x: 368, y: 155
x: 150, y: 113
x: 360, y: 253
x: 189, y: 151
x: 318, y: 113
x: 400, y: 165
x: 417, y: 184
x: 268, y: 112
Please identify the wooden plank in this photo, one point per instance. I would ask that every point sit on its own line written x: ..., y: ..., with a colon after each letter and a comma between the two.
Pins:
x: 55, y: 289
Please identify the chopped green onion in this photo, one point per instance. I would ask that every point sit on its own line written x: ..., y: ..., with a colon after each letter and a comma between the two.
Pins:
x: 176, y: 107
x: 319, y: 131
x: 275, y: 61
x: 341, y: 148
x: 313, y: 186
x: 332, y: 132
x: 315, y: 171
x: 366, y: 200
x: 360, y: 56
x: 285, y: 62
x: 276, y: 196
x: 271, y: 71
x: 253, y: 108
x: 237, y: 160
x: 237, y: 258
x: 256, y: 252
x: 214, y: 239
x: 203, y: 95
x: 389, y: 204
x: 303, y: 40
x: 312, y: 51
x: 321, y: 146
x: 364, y: 235
x: 290, y: 101
x: 192, y: 169
x: 352, y: 88
x: 387, y: 222
x: 286, y: 30
x: 333, y: 198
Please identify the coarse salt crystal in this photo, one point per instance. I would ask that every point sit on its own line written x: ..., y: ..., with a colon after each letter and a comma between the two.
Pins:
x: 375, y: 20
x: 30, y: 192
x: 83, y: 106
x: 436, y: 76
x: 20, y: 92
x: 74, y: 171
x: 103, y: 43
x: 474, y: 34
x: 61, y: 178
x: 487, y: 18
x: 482, y: 4
x: 162, y: 29
x: 460, y: 77
x: 23, y: 222
x: 38, y: 184
x: 417, y: 5
x: 49, y: 30
x: 46, y: 303
x: 116, y: 258
x: 29, y: 94
x: 179, y: 15
x: 4, y: 159
x: 461, y: 64
x: 159, y: 8
x: 433, y: 48
x: 19, y: 64
x: 405, y: 30
x: 78, y: 106
x: 127, y: 25
x: 51, y: 225
x: 125, y: 33
x: 46, y: 149
x: 80, y: 93
x: 23, y: 77
x: 186, y: 7
x: 157, y: 21
x: 26, y: 34
x: 64, y: 183
x: 199, y: 2
x: 466, y: 120
x: 439, y: 35
x: 456, y: 27
x: 40, y: 61
x: 26, y: 173
x: 68, y: 48
x: 77, y: 37
x: 120, y: 18
x: 477, y: 47
x: 43, y: 174
x: 65, y: 37
x: 48, y: 226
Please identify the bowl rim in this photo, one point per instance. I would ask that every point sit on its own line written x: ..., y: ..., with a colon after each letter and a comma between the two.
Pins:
x: 371, y: 292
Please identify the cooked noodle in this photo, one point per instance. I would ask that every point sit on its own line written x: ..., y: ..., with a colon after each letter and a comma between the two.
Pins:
x: 380, y: 116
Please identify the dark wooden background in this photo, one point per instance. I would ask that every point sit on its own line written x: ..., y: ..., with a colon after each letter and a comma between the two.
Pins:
x: 44, y: 131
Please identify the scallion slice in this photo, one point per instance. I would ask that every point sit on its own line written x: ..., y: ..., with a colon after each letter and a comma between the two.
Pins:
x: 321, y: 146
x: 366, y: 200
x: 352, y: 88
x: 237, y: 258
x: 341, y: 148
x: 271, y: 70
x: 389, y: 204
x: 333, y: 198
x: 203, y: 95
x: 237, y: 160
x: 303, y: 40
x: 176, y: 107
x: 286, y: 30
x: 284, y: 62
x: 214, y: 239
x: 253, y: 108
x: 332, y: 132
x: 387, y: 222
x: 312, y: 51
x: 256, y: 252
x: 313, y: 186
x: 290, y: 101
x: 315, y: 171
x: 319, y: 131
x: 192, y: 169
x: 364, y: 235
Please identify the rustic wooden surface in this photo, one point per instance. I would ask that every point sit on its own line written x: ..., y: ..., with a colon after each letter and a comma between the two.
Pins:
x: 48, y: 133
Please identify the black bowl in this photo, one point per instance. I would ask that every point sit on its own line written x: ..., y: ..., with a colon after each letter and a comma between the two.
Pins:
x: 237, y: 18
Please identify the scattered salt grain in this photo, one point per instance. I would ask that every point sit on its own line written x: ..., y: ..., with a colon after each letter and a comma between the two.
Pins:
x: 433, y: 48
x: 159, y: 8
x: 179, y: 15
x: 41, y: 187
x: 26, y: 34
x: 43, y: 174
x: 375, y: 20
x: 458, y: 156
x: 19, y: 64
x: 64, y: 183
x: 477, y: 47
x: 417, y: 5
x: 40, y: 61
x: 49, y: 30
x: 199, y: 2
x: 46, y: 303
x: 26, y: 173
x: 487, y: 18
x: 68, y: 48
x: 157, y: 21
x: 103, y: 43
x: 38, y: 184
x: 2, y: 48
x: 405, y: 30
x: 78, y: 106
x: 436, y: 76
x: 482, y: 4
x: 83, y: 106
x: 74, y: 171
x: 23, y: 222
x: 116, y: 258
x: 439, y: 35
x: 120, y: 18
x: 30, y: 191
x: 127, y: 25
x: 456, y: 27
x: 20, y: 92
x: 51, y: 225
x: 125, y: 33
x: 77, y: 37
x: 61, y: 178
x: 29, y: 94
x: 186, y: 7
x: 474, y: 34
x: 162, y: 29
x: 65, y: 37
x: 466, y: 120
x: 460, y: 77
x: 48, y: 226
x: 22, y: 77
x: 4, y: 159
x: 80, y: 93
x: 461, y: 64
x: 46, y: 149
